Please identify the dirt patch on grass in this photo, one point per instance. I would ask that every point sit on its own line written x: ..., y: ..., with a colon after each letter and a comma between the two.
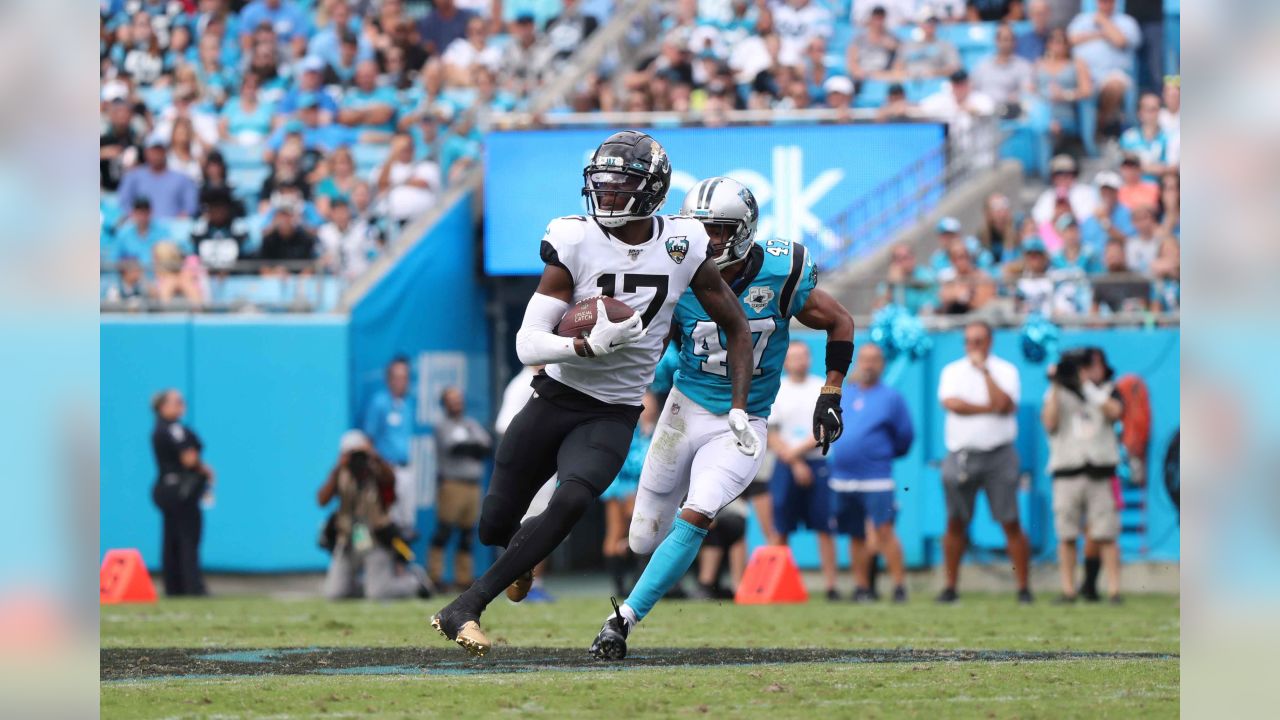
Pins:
x: 134, y: 664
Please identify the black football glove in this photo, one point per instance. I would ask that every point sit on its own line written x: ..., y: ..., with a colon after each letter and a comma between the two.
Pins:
x: 828, y: 420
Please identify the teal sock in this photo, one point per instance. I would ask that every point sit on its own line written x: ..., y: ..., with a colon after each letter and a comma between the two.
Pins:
x: 669, y: 563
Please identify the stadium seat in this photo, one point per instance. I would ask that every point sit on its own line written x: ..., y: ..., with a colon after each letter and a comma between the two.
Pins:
x: 872, y: 94
x: 241, y: 156
x: 247, y: 179
x: 368, y: 156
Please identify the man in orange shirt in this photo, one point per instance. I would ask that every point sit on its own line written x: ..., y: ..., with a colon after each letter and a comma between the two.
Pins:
x: 1135, y: 191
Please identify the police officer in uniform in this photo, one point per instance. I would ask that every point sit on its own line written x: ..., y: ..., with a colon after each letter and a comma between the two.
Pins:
x: 183, y: 479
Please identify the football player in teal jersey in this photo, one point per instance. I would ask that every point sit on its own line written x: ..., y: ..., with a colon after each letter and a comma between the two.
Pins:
x: 692, y: 455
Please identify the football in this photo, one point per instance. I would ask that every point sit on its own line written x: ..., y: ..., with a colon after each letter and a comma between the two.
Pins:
x: 579, y: 319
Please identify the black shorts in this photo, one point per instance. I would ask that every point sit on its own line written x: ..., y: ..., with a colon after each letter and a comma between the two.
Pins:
x: 561, y: 430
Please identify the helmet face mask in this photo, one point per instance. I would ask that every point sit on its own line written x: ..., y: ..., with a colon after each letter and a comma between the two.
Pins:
x: 721, y: 201
x: 626, y: 179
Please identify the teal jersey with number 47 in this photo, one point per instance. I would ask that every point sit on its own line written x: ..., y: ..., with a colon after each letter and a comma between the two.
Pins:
x: 775, y: 284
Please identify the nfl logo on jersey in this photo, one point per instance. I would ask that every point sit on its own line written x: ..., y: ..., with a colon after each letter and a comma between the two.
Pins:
x: 759, y: 297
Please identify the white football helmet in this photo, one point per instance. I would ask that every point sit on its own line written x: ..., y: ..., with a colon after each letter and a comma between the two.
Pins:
x: 723, y: 201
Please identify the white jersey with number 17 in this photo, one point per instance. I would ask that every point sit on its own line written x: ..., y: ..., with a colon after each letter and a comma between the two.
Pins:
x: 649, y: 278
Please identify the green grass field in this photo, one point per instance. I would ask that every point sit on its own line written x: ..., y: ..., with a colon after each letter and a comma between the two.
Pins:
x: 439, y: 681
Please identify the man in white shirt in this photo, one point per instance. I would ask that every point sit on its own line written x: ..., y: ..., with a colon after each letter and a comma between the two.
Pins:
x: 980, y: 393
x: 961, y: 108
x: 798, y: 22
x: 800, y: 478
x: 347, y: 244
x: 409, y: 187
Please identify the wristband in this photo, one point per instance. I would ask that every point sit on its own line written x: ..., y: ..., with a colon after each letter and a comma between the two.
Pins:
x: 830, y: 390
x: 839, y: 356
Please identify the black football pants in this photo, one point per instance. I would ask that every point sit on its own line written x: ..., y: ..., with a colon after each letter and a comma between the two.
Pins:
x: 562, y: 431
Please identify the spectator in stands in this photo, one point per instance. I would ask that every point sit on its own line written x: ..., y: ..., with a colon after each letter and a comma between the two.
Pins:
x: 871, y: 54
x: 446, y: 23
x: 566, y: 32
x: 992, y: 11
x: 462, y: 444
x: 839, y: 95
x: 119, y: 144
x: 894, y: 13
x: 361, y: 534
x: 1135, y: 189
x: 218, y: 236
x: 130, y: 287
x: 896, y: 107
x: 430, y: 100
x: 1031, y: 45
x: 136, y: 237
x: 1118, y: 289
x: 215, y: 181
x: 1171, y: 119
x: 1004, y: 77
x: 368, y: 108
x: 185, y: 151
x: 949, y: 238
x: 999, y: 233
x: 362, y: 206
x: 928, y: 57
x: 338, y: 182
x: 1110, y: 220
x: 288, y: 20
x: 309, y: 86
x: 169, y: 194
x: 343, y: 72
x: 177, y: 274
x: 1171, y: 203
x: 347, y: 246
x: 1075, y: 254
x: 326, y: 42
x: 799, y: 484
x: 404, y: 37
x: 264, y: 61
x: 410, y: 186
x: 798, y: 23
x: 144, y: 60
x: 964, y: 287
x: 1147, y: 140
x: 1167, y: 270
x: 960, y: 107
x: 1149, y: 15
x: 286, y: 239
x: 246, y: 118
x: 218, y: 77
x: 1064, y: 184
x: 182, y: 479
x: 286, y: 169
x: 877, y: 430
x: 186, y: 104
x: 980, y: 393
x: 1140, y: 248
x: 1062, y: 81
x: 908, y: 283
x: 1033, y: 287
x: 1081, y: 407
x: 1106, y: 40
x: 460, y: 149
x: 465, y: 53
x: 523, y: 59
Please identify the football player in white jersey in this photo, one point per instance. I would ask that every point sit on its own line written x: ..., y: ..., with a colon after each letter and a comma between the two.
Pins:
x: 580, y: 420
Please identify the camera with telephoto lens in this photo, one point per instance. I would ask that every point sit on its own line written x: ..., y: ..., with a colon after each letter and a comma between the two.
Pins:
x: 358, y: 463
x: 1067, y: 372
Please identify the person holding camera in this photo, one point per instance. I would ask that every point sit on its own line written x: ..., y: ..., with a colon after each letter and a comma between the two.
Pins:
x: 360, y: 534
x: 1080, y: 409
x: 182, y: 481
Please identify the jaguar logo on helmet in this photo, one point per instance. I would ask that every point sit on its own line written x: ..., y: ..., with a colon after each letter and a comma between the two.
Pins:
x: 678, y: 248
x: 627, y: 179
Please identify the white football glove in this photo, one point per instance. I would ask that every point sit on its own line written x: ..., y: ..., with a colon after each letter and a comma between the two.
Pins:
x: 748, y: 442
x: 606, y: 336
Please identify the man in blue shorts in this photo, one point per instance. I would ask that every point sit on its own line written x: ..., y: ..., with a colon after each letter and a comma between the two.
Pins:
x: 877, y: 430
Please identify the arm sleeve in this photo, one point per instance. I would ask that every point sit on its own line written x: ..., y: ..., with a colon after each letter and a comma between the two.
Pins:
x: 904, y: 431
x: 536, y: 341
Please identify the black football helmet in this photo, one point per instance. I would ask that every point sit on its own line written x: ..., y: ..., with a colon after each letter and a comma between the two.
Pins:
x: 626, y: 179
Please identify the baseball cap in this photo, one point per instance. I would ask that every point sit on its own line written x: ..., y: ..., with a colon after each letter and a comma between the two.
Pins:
x: 142, y: 203
x: 353, y: 440
x: 312, y: 63
x: 959, y: 76
x: 1131, y: 159
x: 1107, y: 179
x: 1062, y: 164
x: 524, y: 19
x: 838, y: 84
x: 948, y: 225
x: 896, y: 89
x: 1035, y: 244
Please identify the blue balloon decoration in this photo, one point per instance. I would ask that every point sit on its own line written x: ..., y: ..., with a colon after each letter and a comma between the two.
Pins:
x: 1039, y: 339
x: 899, y: 333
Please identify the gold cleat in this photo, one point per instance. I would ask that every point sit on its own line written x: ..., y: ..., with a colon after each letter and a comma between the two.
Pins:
x: 470, y: 637
x: 519, y: 589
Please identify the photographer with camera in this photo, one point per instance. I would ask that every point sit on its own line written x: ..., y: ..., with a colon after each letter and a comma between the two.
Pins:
x: 1080, y: 409
x: 183, y: 480
x: 360, y: 534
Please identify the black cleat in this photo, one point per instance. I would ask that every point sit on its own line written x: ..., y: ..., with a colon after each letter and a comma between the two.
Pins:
x: 463, y: 627
x: 863, y: 595
x: 948, y: 596
x: 900, y: 594
x: 833, y: 595
x: 1024, y: 597
x: 611, y: 641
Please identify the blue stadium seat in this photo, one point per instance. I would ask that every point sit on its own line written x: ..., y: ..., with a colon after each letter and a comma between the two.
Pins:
x: 921, y: 88
x: 239, y: 156
x: 368, y: 157
x: 872, y: 94
x: 247, y: 180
